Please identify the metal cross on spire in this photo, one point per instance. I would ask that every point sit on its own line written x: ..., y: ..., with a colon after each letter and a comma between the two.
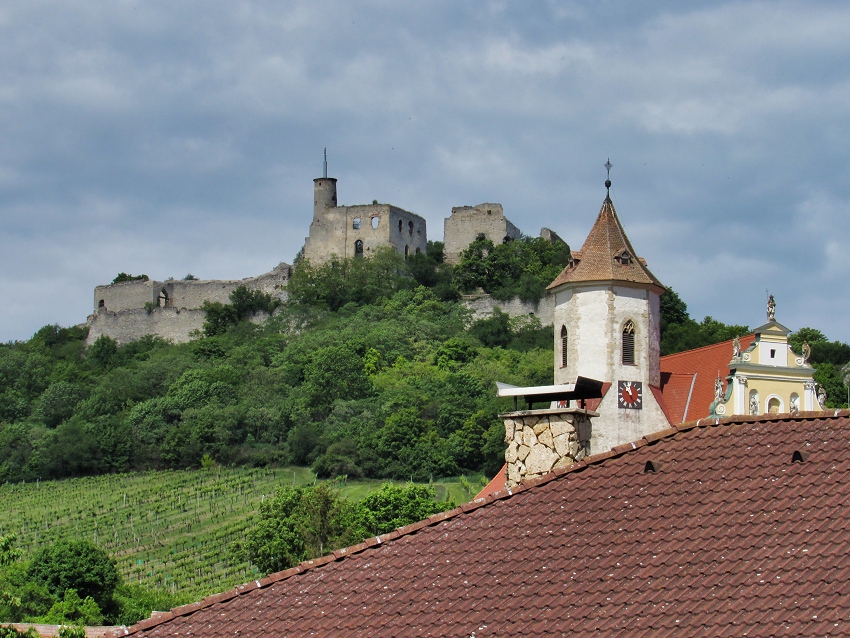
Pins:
x: 608, y: 167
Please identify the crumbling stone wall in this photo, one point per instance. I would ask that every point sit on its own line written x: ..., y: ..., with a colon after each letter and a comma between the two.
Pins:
x: 175, y: 305
x: 482, y: 306
x: 540, y: 441
x: 358, y: 231
x: 467, y: 222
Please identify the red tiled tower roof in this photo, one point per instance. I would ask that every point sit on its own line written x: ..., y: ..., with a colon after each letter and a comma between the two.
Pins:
x: 599, y: 257
x: 723, y: 528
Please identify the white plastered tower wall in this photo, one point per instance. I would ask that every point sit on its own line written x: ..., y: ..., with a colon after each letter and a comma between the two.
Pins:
x: 598, y: 294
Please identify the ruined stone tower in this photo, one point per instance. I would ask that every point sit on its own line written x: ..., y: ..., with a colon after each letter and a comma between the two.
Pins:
x: 358, y: 231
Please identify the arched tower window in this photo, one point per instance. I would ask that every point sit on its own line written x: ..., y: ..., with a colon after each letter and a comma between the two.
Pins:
x: 101, y: 304
x: 410, y: 227
x: 629, y: 343
x: 163, y: 301
x: 358, y: 248
x: 564, y: 342
x: 400, y: 226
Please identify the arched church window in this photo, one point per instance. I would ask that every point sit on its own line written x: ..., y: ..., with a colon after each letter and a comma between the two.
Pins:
x: 375, y: 221
x: 410, y: 227
x: 629, y: 343
x: 564, y: 343
x: 356, y: 223
x: 358, y: 248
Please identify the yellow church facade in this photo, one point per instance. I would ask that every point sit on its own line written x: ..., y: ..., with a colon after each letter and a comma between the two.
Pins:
x: 768, y: 377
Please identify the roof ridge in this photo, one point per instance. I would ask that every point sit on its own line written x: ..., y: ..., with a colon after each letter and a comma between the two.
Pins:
x: 710, y: 345
x: 475, y: 504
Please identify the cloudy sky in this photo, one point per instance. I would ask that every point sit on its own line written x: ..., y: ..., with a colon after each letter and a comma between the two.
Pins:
x: 169, y: 138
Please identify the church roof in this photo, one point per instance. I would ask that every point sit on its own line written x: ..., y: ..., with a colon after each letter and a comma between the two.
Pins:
x: 687, y: 378
x: 600, y: 258
x: 721, y: 527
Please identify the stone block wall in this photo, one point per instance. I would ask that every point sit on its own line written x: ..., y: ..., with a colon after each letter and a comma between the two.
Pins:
x: 467, y: 222
x: 540, y: 441
x: 336, y: 231
x: 482, y: 306
x: 177, y: 305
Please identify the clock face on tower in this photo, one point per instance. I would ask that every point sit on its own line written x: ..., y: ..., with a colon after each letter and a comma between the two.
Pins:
x: 630, y: 394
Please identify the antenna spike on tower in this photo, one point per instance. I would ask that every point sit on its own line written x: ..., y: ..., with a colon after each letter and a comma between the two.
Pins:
x: 326, y: 161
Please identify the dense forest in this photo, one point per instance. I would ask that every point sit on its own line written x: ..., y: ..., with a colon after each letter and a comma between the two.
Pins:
x: 373, y: 368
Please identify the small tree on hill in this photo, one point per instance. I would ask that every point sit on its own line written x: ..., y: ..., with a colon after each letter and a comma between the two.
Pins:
x: 76, y: 565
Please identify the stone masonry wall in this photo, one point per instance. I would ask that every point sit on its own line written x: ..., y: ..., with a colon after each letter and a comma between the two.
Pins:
x: 467, y: 222
x: 177, y: 305
x: 335, y: 230
x: 482, y: 306
x: 540, y: 441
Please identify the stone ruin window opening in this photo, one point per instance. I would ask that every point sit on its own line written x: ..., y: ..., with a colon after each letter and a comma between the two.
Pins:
x: 406, y: 251
x: 564, y: 343
x: 163, y: 301
x: 400, y: 226
x: 356, y: 223
x: 629, y: 343
x: 101, y: 303
x: 410, y: 227
x: 375, y: 221
x: 418, y: 250
x: 358, y: 248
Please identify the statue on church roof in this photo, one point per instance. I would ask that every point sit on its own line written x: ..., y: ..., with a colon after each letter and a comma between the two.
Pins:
x: 822, y: 396
x: 736, y: 347
x: 754, y: 404
x: 718, y: 389
x: 771, y: 309
x: 807, y: 352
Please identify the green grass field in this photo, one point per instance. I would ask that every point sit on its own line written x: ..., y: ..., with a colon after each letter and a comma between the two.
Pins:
x: 168, y: 530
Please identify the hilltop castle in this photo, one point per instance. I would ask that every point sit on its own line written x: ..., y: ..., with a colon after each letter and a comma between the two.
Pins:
x: 173, y: 309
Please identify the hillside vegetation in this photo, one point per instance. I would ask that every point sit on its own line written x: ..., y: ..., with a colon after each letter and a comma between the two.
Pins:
x: 176, y: 531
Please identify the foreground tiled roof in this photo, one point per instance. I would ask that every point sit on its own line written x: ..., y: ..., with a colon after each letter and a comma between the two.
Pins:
x: 598, y: 259
x: 726, y: 535
x: 687, y: 378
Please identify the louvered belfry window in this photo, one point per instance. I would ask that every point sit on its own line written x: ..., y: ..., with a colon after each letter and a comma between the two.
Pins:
x: 564, y: 346
x: 629, y: 343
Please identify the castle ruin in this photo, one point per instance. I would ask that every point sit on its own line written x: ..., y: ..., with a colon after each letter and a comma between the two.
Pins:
x: 173, y: 309
x: 357, y: 231
x: 466, y: 223
x: 129, y: 310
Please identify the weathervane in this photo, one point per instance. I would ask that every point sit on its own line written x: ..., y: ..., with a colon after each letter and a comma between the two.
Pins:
x: 608, y: 167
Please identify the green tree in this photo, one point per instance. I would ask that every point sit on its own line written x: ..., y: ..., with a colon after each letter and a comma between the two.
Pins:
x: 122, y: 276
x: 77, y: 565
x: 396, y: 505
x: 73, y: 609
